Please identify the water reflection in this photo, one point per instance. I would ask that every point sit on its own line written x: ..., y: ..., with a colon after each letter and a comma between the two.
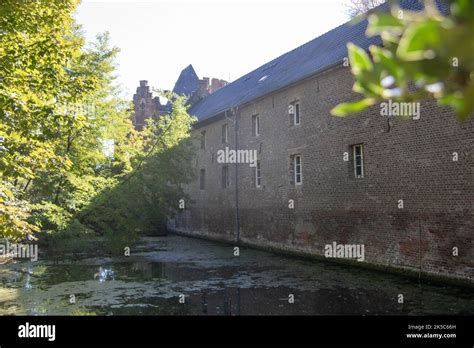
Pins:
x: 146, y: 270
x: 104, y: 274
x: 150, y: 281
x: 29, y: 272
x: 28, y: 284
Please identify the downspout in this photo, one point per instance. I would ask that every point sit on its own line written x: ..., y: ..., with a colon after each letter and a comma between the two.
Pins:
x: 236, y: 113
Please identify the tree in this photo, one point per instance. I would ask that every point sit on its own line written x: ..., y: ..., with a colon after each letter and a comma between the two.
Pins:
x: 68, y: 143
x: 36, y: 47
x: 144, y: 198
x: 99, y: 141
x: 424, y: 55
x: 354, y: 8
x: 57, y: 107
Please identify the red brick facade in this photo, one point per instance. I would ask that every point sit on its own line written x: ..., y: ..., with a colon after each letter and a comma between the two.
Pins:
x: 409, y: 160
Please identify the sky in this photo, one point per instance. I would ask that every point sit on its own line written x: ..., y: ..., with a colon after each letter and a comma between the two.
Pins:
x: 223, y: 39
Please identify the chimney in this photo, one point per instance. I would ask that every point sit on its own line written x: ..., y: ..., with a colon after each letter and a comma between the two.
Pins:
x: 217, y: 84
x: 206, y: 83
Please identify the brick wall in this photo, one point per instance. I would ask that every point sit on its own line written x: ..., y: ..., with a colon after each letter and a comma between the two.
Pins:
x: 145, y: 106
x: 409, y: 160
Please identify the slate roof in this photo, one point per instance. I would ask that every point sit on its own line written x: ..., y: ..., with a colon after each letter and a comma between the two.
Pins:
x: 315, y: 56
x: 187, y: 83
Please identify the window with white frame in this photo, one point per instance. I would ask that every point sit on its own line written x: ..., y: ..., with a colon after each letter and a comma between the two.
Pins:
x: 225, y: 133
x: 255, y: 125
x: 296, y: 113
x: 225, y: 177
x: 297, y: 168
x: 358, y: 158
x: 258, y: 177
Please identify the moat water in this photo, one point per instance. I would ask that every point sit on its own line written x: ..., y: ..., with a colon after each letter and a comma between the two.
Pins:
x: 214, y: 282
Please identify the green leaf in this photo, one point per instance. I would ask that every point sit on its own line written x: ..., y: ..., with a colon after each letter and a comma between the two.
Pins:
x: 379, y: 23
x: 359, y: 59
x: 388, y: 62
x: 419, y: 41
x: 461, y: 101
x: 344, y: 109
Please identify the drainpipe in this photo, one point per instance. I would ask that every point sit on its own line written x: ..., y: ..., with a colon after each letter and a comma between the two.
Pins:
x: 236, y: 113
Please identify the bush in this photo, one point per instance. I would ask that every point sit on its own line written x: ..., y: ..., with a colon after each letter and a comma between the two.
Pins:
x: 49, y: 217
x: 75, y: 238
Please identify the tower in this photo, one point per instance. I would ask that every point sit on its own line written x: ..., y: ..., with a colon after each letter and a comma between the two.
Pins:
x: 145, y: 106
x: 188, y: 85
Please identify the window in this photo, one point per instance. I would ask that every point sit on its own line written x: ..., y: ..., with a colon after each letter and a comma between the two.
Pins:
x: 297, y: 170
x: 358, y: 153
x: 296, y: 113
x: 255, y: 125
x: 203, y: 139
x: 258, y: 177
x: 202, y: 179
x: 225, y: 138
x: 225, y: 177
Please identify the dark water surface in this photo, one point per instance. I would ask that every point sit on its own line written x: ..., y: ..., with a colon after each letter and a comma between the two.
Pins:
x: 214, y: 282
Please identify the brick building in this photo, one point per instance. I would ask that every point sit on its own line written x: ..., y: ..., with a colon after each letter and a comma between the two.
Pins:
x: 188, y: 84
x: 402, y: 188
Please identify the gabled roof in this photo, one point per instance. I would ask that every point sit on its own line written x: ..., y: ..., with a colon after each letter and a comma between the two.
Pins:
x: 315, y: 56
